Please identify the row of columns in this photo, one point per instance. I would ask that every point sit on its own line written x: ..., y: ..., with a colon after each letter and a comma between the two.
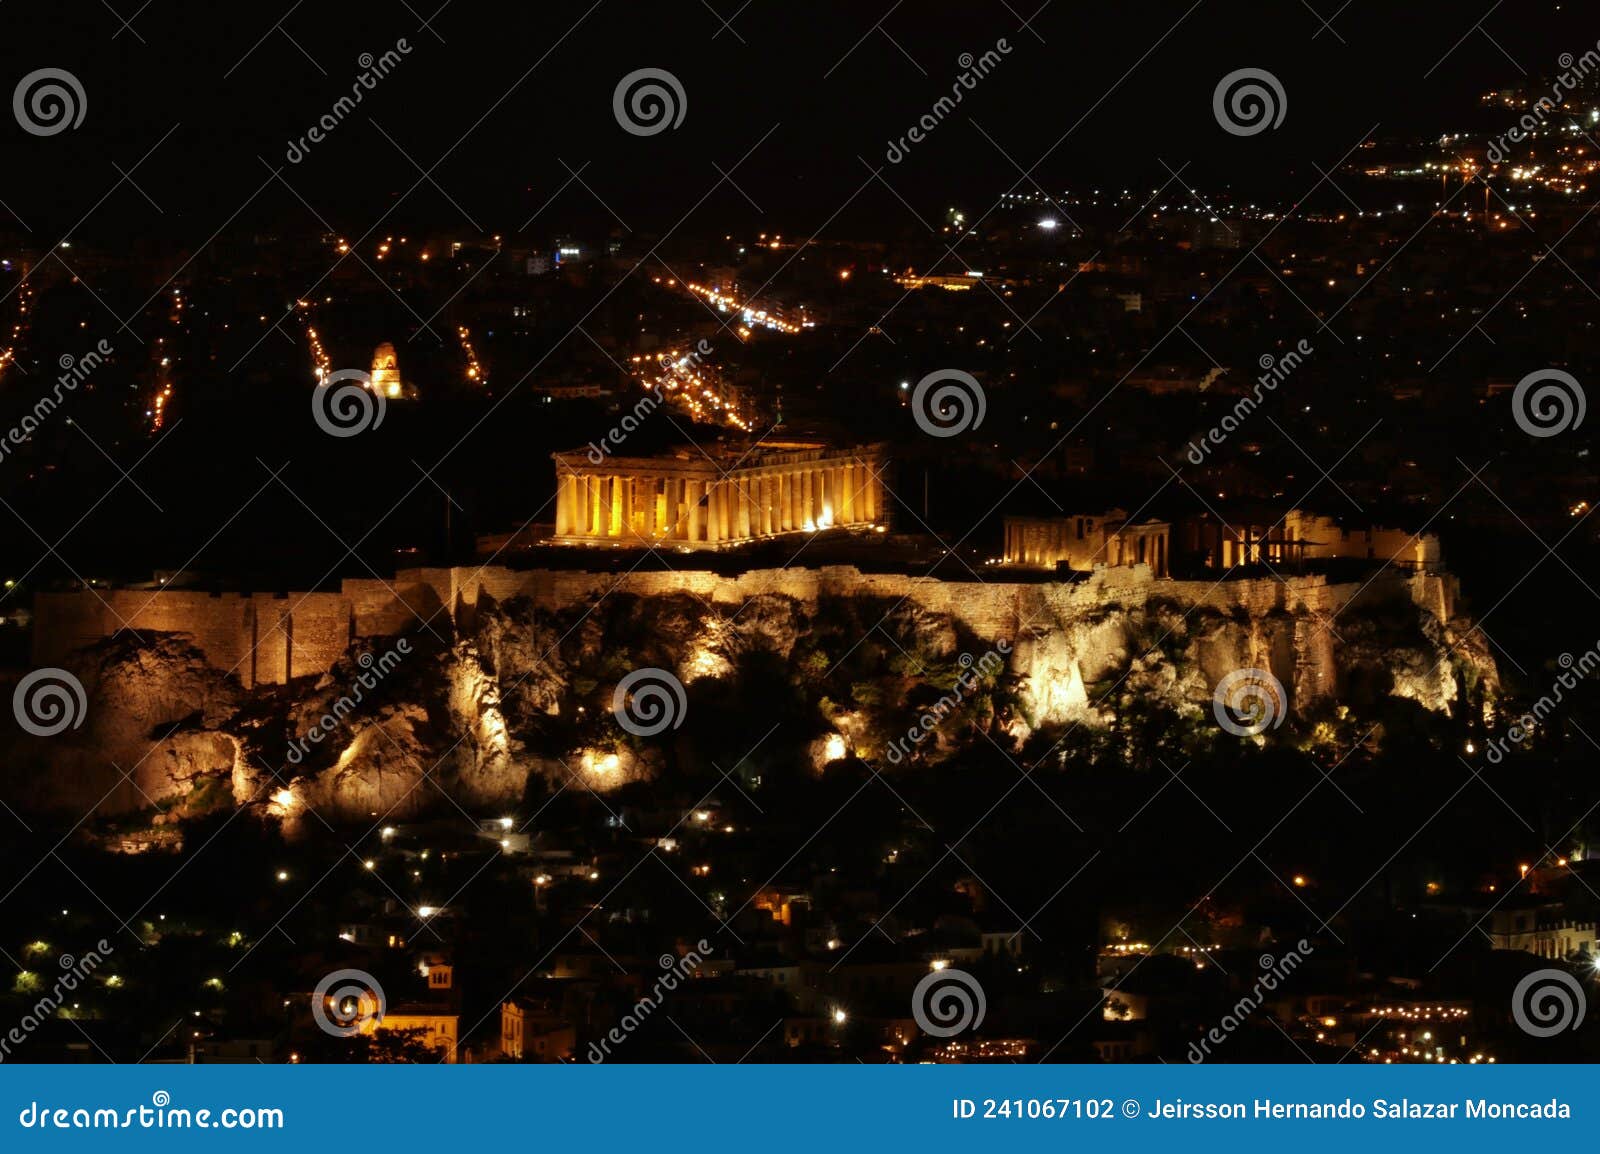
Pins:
x: 752, y: 503
x: 1252, y: 546
x: 1045, y: 543
x: 1139, y: 547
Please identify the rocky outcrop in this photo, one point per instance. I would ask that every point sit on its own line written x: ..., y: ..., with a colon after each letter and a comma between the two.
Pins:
x: 154, y: 732
x: 517, y: 694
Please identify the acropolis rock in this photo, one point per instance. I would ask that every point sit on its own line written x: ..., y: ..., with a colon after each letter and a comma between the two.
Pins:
x: 510, y: 681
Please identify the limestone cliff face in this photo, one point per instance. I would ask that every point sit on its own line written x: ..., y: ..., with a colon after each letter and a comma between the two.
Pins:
x: 1346, y: 644
x: 511, y: 691
x: 155, y: 733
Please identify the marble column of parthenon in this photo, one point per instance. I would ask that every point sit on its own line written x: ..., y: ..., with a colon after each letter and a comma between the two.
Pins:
x: 695, y: 502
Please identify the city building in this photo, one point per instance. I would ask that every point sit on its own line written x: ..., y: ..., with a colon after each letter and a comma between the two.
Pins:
x: 530, y: 1032
x: 441, y: 1028
x: 437, y: 1016
x: 1546, y: 930
x: 385, y: 374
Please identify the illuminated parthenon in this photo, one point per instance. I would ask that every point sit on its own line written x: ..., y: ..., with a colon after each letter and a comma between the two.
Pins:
x: 716, y: 499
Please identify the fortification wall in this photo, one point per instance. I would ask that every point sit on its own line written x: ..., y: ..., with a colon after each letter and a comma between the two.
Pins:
x: 262, y: 638
x: 220, y: 626
x: 265, y: 639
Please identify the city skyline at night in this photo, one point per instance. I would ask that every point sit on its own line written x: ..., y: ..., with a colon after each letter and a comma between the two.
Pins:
x: 699, y: 533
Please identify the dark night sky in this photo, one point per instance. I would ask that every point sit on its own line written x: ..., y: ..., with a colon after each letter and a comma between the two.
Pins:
x: 468, y: 95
